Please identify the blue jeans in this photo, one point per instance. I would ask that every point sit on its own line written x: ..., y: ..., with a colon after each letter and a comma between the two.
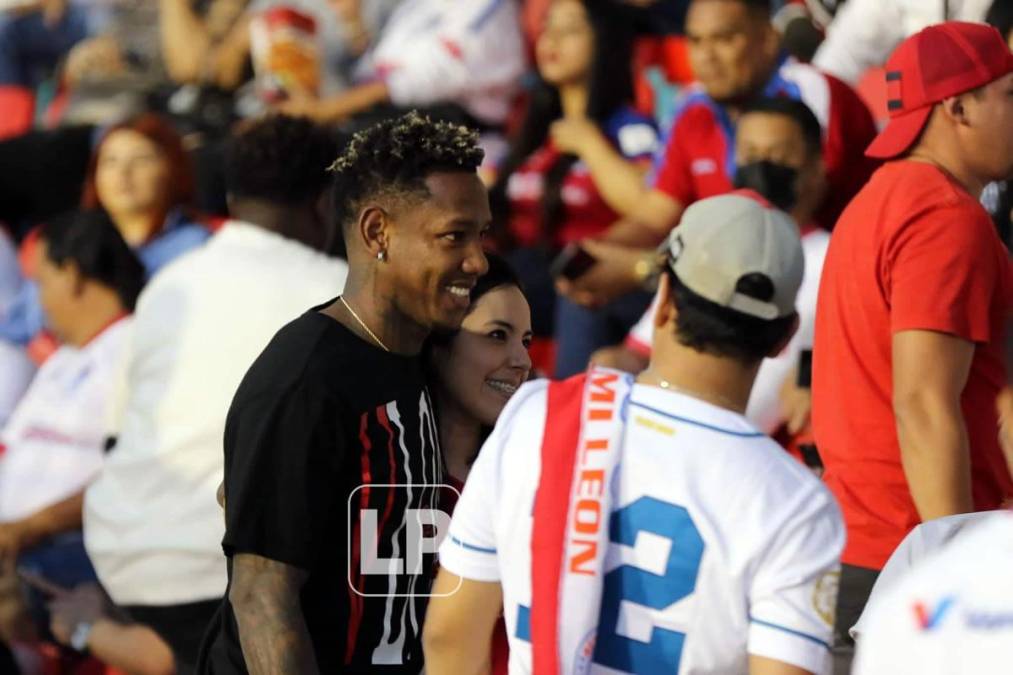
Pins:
x: 29, y: 49
x: 581, y: 331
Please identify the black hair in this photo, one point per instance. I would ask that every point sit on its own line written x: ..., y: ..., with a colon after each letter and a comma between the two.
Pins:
x: 397, y: 155
x: 709, y: 328
x: 92, y: 242
x: 500, y: 274
x: 798, y: 111
x: 1000, y: 16
x: 610, y: 88
x: 279, y: 159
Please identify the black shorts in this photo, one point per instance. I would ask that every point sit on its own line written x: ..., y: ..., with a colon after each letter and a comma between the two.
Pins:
x: 181, y: 626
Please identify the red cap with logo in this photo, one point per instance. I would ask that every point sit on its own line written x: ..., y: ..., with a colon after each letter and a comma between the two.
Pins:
x: 932, y: 65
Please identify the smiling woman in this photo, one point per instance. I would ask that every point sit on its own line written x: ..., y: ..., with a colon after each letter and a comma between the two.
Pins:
x: 474, y: 371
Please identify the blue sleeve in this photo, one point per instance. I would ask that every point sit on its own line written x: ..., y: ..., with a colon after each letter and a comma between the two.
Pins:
x: 633, y: 134
x: 165, y: 248
x: 24, y: 319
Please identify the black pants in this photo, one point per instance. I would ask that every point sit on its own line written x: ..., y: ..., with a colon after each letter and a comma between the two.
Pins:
x: 181, y: 626
x: 856, y: 586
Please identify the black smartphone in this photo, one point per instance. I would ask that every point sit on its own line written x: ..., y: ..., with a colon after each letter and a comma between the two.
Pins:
x: 805, y: 369
x: 572, y: 262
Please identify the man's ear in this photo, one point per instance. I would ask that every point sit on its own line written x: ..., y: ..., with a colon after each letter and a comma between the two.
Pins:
x: 955, y: 109
x: 783, y: 342
x: 374, y: 230
x: 665, y: 311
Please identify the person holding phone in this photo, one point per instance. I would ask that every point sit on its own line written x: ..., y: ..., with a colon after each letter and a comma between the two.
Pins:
x: 576, y: 166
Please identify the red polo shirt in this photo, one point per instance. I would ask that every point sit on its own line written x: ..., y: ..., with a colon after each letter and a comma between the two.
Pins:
x: 699, y: 156
x: 913, y: 251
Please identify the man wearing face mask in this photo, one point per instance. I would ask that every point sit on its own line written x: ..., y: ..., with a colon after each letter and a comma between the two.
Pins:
x: 779, y: 155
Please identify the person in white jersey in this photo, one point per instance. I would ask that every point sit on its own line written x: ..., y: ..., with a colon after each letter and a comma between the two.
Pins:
x: 646, y: 526
x: 52, y: 445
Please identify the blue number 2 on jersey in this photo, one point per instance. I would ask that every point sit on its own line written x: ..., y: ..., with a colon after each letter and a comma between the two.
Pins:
x: 634, y: 585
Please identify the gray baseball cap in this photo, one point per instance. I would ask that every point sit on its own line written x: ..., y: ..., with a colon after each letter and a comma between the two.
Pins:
x: 722, y: 239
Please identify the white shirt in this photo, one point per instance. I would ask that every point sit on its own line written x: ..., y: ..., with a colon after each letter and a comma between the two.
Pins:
x: 469, y: 52
x: 765, y: 582
x: 864, y: 33
x: 764, y: 408
x: 55, y: 438
x: 153, y: 527
x: 951, y: 615
x: 921, y: 543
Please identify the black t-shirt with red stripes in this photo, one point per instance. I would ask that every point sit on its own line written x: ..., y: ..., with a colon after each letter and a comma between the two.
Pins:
x: 321, y: 426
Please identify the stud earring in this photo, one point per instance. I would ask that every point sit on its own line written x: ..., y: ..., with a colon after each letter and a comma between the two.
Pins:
x: 381, y: 255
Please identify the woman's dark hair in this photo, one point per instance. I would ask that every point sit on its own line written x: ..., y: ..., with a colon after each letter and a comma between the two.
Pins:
x: 610, y: 87
x: 500, y: 274
x: 92, y: 242
x: 707, y: 327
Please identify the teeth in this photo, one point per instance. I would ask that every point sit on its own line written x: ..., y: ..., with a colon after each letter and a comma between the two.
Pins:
x: 459, y: 291
x: 504, y: 387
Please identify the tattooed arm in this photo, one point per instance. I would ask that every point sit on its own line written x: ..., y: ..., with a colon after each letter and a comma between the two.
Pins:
x: 272, y: 631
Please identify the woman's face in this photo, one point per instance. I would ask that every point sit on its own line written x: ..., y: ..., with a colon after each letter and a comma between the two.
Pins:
x: 565, y: 48
x: 488, y: 359
x: 132, y: 174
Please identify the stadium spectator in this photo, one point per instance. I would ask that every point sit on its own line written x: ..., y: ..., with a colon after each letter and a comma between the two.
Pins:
x: 33, y: 39
x: 338, y: 401
x: 735, y: 55
x: 469, y: 54
x: 740, y: 569
x: 475, y: 370
x: 141, y: 176
x: 54, y: 441
x: 152, y: 526
x: 577, y: 163
x: 779, y: 155
x: 863, y: 33
x: 14, y: 362
x: 916, y: 275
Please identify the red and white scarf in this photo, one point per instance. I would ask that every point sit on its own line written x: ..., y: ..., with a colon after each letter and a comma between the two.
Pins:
x: 581, y: 450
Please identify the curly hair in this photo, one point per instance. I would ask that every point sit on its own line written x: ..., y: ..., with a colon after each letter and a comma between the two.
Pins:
x: 396, y: 156
x: 279, y: 159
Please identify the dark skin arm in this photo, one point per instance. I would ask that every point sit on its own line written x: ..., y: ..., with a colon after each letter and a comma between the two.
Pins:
x: 272, y: 631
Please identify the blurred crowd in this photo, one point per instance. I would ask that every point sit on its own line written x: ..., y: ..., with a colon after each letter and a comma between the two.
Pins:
x: 165, y: 207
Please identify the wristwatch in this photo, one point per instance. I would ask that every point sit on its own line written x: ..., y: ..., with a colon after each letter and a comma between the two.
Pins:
x: 79, y: 638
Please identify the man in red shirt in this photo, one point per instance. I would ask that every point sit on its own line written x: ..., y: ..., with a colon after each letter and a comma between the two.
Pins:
x: 908, y: 355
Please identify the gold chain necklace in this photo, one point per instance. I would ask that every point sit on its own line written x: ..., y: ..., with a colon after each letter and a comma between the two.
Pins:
x: 363, y: 324
x: 717, y: 399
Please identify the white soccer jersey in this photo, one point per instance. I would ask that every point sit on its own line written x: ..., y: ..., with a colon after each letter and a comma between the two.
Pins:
x: 709, y: 504
x: 952, y: 615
